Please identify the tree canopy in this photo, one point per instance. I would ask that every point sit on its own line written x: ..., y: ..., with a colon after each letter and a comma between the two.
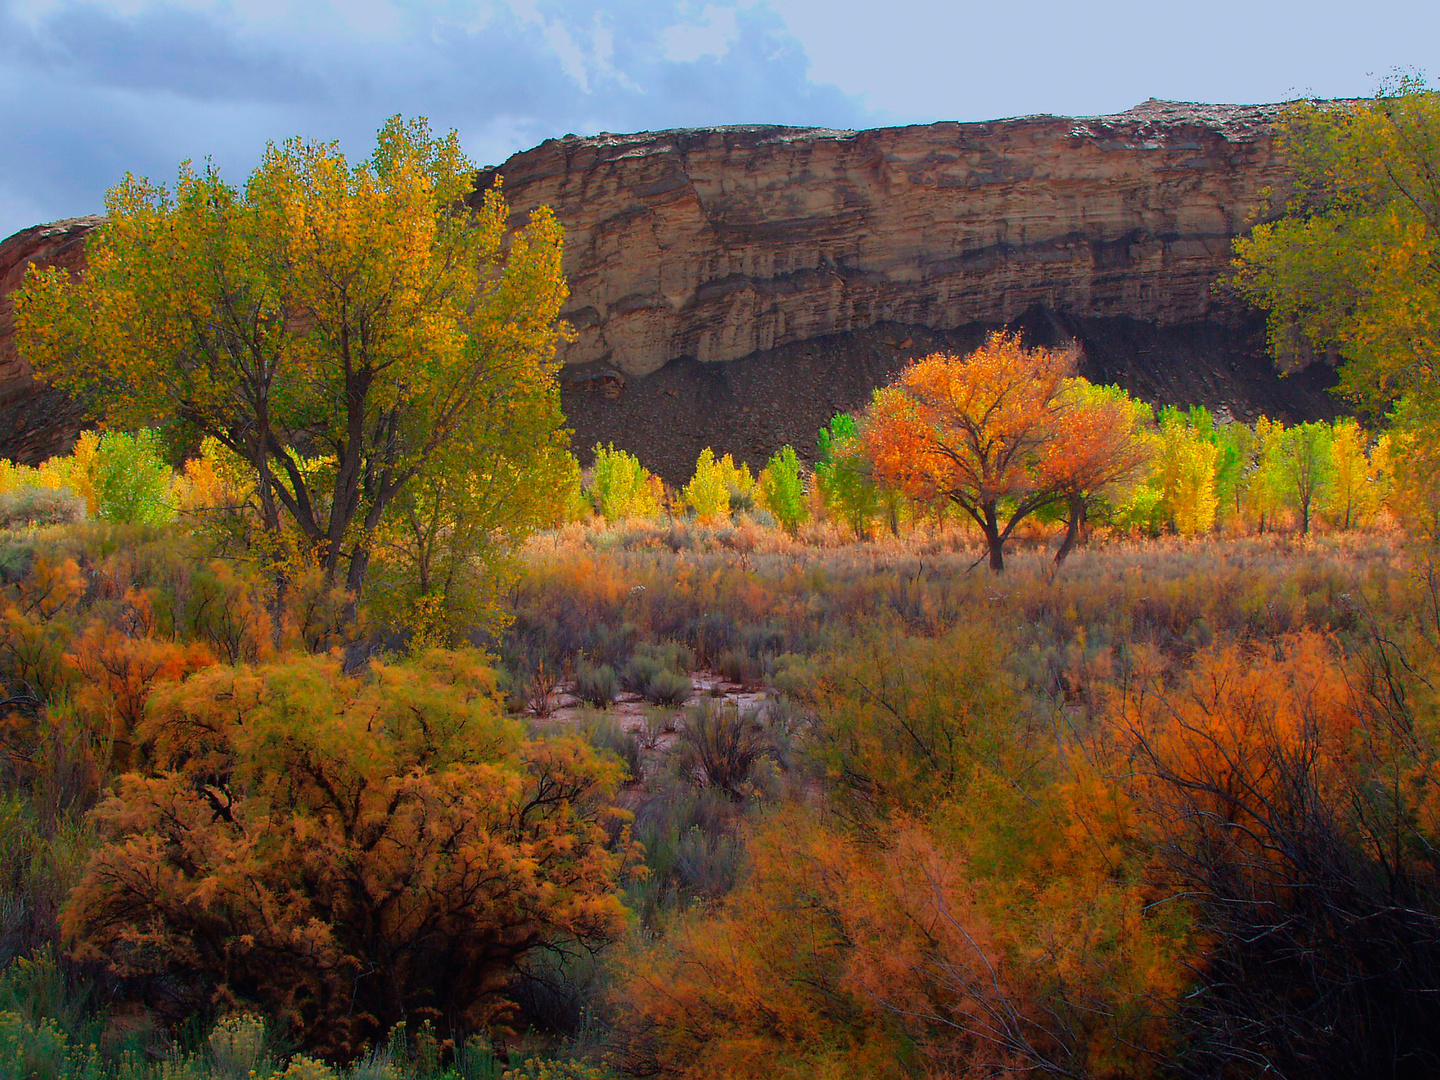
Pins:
x: 1001, y: 433
x: 1354, y: 265
x: 342, y: 329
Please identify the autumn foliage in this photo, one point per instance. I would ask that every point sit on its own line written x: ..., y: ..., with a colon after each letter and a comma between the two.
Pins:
x: 1001, y: 433
x: 349, y: 852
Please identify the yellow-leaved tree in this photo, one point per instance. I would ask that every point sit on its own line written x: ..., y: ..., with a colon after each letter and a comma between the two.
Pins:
x: 1351, y: 267
x: 358, y: 315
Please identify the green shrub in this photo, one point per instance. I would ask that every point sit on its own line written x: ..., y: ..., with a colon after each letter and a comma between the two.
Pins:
x: 691, y: 846
x: 41, y: 1051
x: 132, y: 480
x: 667, y: 687
x: 596, y: 686
x: 606, y: 733
x: 660, y: 673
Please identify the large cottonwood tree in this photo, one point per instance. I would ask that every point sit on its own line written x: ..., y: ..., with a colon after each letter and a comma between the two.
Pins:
x: 342, y: 328
x: 1001, y: 433
x: 1354, y: 264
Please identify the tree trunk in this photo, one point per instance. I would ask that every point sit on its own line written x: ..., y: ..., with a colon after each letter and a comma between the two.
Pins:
x: 995, y: 542
x: 1074, y: 528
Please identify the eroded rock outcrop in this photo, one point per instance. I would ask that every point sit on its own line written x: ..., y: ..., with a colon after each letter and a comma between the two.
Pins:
x: 715, y: 244
x: 748, y: 281
x: 36, y: 420
x: 733, y: 286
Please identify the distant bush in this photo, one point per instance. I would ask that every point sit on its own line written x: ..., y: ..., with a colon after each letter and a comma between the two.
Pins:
x: 33, y: 506
x: 667, y: 688
x: 660, y: 673
x: 596, y: 686
x: 622, y: 488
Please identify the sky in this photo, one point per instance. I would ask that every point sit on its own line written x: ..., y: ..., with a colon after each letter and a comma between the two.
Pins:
x: 93, y: 89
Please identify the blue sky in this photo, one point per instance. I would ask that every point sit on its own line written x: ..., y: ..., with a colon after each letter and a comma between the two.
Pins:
x: 91, y: 89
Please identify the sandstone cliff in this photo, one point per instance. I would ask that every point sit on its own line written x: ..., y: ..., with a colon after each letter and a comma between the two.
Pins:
x: 715, y: 244
x: 734, y: 286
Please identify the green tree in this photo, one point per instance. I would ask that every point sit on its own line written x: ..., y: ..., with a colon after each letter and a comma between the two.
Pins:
x: 444, y: 561
x: 357, y: 314
x: 843, y: 473
x: 1235, y: 461
x: 622, y: 488
x: 1298, y: 461
x: 782, y: 489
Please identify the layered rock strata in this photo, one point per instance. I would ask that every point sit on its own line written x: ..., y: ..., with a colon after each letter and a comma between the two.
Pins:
x: 714, y: 244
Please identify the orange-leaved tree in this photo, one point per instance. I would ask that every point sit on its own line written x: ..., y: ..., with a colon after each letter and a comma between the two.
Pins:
x: 1103, y: 442
x: 1291, y: 794
x: 1001, y: 433
x: 349, y: 852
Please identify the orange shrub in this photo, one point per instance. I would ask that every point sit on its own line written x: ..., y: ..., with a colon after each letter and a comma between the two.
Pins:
x: 352, y: 853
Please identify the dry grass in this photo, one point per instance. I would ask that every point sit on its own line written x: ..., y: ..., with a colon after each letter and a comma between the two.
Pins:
x: 720, y: 591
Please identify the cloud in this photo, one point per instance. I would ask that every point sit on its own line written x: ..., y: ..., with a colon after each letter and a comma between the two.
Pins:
x: 94, y: 88
x: 710, y: 35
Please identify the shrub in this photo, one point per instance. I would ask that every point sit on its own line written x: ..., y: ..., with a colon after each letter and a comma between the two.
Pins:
x: 725, y: 745
x: 273, y: 853
x: 692, y: 847
x: 606, y: 733
x: 659, y: 673
x: 32, y: 506
x: 596, y: 686
x: 903, y: 720
x: 667, y: 687
x: 239, y: 1047
x: 1272, y: 781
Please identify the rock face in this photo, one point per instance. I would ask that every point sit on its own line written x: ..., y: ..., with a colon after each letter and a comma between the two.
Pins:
x: 36, y: 421
x: 743, y: 283
x: 734, y: 286
x: 716, y: 244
